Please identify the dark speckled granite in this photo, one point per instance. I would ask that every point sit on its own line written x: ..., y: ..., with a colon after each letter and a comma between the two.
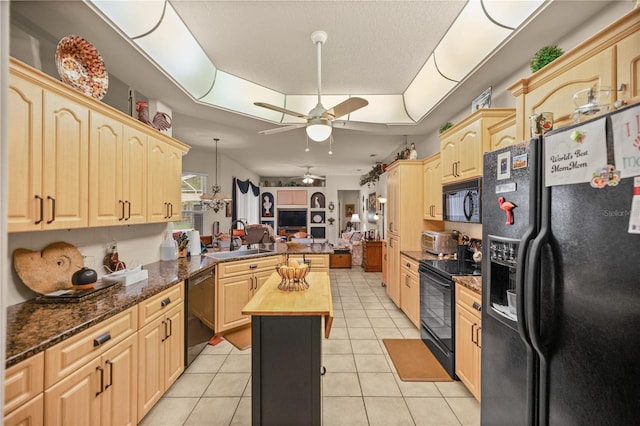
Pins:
x: 33, y: 326
x: 473, y: 283
x: 418, y: 255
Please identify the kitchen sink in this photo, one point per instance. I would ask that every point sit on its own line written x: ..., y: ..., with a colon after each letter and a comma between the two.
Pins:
x: 238, y: 253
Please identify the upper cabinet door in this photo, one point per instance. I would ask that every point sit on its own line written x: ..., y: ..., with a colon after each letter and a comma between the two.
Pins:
x: 107, y: 205
x: 25, y: 209
x: 134, y: 175
x: 65, y: 162
x: 164, y: 182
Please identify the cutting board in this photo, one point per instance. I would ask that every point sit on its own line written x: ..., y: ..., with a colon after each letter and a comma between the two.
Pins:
x: 50, y: 269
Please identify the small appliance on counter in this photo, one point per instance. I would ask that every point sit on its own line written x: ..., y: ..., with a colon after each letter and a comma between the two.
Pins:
x: 435, y: 242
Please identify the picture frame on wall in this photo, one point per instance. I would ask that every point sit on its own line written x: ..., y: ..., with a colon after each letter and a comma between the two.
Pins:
x: 482, y: 101
x: 371, y: 210
x: 349, y: 210
x: 228, y: 209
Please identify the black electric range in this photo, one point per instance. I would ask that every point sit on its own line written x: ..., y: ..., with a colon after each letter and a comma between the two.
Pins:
x: 450, y: 267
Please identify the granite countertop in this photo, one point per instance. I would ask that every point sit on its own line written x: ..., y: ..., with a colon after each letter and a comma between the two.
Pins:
x: 34, y: 326
x: 419, y: 255
x: 472, y: 282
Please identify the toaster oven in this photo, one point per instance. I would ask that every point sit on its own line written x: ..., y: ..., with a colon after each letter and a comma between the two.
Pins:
x: 438, y: 242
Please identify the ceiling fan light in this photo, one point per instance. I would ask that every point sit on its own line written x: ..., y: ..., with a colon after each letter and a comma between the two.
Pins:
x: 307, y: 180
x: 319, y: 129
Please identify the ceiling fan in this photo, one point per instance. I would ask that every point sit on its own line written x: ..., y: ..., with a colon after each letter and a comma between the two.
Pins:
x: 319, y: 119
x: 308, y: 178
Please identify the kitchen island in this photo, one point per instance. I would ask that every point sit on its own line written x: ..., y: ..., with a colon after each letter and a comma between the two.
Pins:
x: 286, y: 334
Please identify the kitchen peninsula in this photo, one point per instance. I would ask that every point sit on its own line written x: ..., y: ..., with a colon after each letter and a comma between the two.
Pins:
x: 286, y: 350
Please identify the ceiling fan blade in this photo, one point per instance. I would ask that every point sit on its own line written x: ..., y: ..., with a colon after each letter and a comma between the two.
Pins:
x: 344, y: 108
x: 281, y: 129
x: 282, y: 110
x: 315, y: 177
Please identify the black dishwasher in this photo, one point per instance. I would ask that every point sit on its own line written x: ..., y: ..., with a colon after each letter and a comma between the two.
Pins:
x: 199, y: 323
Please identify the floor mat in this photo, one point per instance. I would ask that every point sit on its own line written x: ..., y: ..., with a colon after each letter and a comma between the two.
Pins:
x: 241, y: 338
x: 414, y: 361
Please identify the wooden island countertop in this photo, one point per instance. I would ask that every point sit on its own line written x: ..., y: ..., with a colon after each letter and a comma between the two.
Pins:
x: 314, y: 301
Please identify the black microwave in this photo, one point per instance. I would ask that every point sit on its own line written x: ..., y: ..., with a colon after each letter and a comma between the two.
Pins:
x: 462, y: 201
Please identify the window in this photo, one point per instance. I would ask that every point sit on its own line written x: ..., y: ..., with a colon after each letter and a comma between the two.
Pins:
x: 193, y: 186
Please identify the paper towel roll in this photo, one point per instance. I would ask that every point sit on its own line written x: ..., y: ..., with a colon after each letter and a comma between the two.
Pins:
x: 194, y: 242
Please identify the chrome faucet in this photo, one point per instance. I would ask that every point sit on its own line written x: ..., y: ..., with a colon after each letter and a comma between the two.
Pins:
x: 231, y: 237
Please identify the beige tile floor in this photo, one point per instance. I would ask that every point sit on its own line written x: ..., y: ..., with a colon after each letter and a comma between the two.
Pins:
x: 361, y: 386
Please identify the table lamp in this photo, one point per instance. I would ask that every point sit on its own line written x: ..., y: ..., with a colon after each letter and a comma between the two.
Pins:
x: 355, y: 219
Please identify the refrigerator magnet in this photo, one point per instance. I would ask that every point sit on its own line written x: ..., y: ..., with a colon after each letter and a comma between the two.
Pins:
x: 634, y: 215
x: 605, y: 176
x: 504, y: 165
x: 520, y: 161
x: 507, y: 206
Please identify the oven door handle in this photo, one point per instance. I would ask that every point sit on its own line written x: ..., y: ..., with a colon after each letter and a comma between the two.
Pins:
x: 442, y: 282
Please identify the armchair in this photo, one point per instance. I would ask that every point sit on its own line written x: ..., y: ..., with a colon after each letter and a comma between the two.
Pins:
x: 353, y: 241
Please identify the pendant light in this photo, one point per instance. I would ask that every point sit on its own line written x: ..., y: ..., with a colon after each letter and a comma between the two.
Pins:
x: 215, y: 200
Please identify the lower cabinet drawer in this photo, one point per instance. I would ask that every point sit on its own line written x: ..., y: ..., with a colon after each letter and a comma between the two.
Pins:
x: 66, y: 357
x: 23, y: 381
x: 153, y: 307
x: 31, y: 414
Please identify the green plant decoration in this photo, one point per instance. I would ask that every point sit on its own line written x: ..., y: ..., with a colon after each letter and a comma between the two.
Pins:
x: 544, y: 56
x: 445, y: 127
x: 373, y: 175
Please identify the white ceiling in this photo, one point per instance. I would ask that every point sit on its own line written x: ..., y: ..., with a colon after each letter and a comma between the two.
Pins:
x: 374, y: 47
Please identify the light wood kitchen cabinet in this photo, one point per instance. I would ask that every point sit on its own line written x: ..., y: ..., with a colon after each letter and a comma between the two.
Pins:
x: 319, y: 262
x: 164, y: 180
x: 237, y: 283
x: 468, y: 338
x: 101, y: 392
x: 393, y: 266
x: 23, y: 392
x: 410, y: 289
x: 161, y: 356
x: 432, y: 184
x: 462, y: 145
x: 68, y: 356
x: 385, y: 262
x: 30, y: 413
x: 608, y: 59
x: 503, y: 133
x: 405, y: 219
x: 118, y: 164
x: 76, y: 162
x: 161, y: 345
x: 48, y: 157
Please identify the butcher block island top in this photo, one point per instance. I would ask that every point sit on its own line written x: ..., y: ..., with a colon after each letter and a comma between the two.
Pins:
x: 314, y: 301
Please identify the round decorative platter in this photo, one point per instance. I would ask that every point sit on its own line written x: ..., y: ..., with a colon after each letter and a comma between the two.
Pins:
x: 317, y: 218
x: 81, y: 66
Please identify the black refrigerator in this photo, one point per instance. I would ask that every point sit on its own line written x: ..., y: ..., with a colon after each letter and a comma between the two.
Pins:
x: 561, y: 239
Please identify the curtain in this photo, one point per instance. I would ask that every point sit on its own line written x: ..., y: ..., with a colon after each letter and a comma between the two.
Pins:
x: 246, y: 201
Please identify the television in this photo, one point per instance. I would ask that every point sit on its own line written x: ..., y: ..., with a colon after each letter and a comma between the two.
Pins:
x: 292, y: 218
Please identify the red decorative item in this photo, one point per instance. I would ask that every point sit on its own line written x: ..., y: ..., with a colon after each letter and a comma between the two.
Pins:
x: 161, y: 121
x: 507, y: 206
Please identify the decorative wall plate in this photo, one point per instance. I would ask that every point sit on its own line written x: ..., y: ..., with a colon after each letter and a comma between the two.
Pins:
x: 81, y: 66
